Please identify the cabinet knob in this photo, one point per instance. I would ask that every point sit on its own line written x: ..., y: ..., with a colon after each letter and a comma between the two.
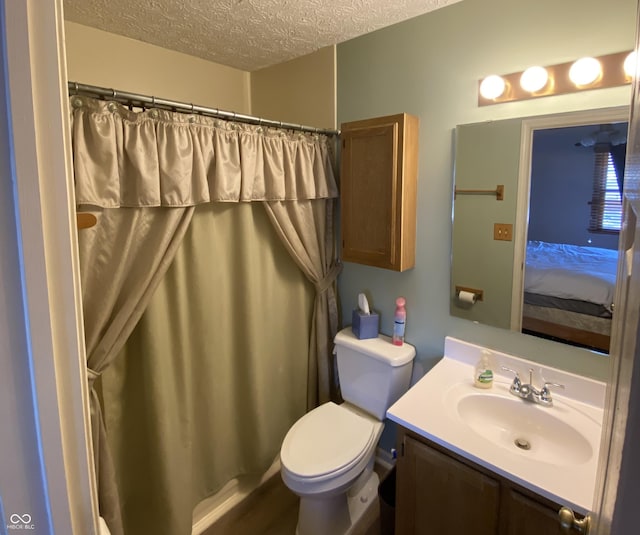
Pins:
x: 568, y: 521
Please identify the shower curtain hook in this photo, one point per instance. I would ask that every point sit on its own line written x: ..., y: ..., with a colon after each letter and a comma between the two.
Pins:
x: 153, y: 101
x: 113, y: 93
x: 75, y: 88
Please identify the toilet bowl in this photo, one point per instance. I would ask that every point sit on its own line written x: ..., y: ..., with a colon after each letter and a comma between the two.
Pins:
x: 327, y: 456
x: 327, y: 459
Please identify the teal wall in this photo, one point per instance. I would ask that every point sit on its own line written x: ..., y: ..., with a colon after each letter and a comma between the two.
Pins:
x: 487, y: 154
x: 430, y: 66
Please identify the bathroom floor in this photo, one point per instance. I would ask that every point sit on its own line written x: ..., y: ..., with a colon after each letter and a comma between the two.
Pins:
x: 273, y: 510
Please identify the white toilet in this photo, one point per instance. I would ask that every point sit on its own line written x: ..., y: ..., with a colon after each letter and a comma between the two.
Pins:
x: 327, y: 456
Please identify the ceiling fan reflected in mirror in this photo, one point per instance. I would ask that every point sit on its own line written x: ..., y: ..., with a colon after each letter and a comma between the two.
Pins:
x: 606, y: 134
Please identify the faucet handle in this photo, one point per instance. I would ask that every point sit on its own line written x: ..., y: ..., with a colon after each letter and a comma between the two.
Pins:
x: 545, y: 392
x: 517, y: 383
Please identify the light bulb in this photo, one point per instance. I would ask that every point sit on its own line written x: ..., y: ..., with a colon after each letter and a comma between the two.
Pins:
x: 585, y: 71
x: 492, y: 86
x: 630, y: 64
x: 534, y: 79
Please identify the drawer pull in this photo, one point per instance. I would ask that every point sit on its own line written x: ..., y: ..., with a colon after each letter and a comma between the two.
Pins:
x: 568, y: 521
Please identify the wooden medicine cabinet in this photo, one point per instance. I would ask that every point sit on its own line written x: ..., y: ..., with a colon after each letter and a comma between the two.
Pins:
x: 379, y: 169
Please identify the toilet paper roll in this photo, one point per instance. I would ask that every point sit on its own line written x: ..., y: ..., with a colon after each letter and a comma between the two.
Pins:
x: 466, y: 297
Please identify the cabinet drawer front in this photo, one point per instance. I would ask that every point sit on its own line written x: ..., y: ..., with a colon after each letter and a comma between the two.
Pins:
x: 527, y: 516
x: 439, y: 495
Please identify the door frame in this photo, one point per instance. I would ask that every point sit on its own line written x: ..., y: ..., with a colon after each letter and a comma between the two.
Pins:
x: 40, y: 149
x: 618, y: 478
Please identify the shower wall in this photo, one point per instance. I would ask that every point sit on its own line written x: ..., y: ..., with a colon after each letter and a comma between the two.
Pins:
x: 104, y: 59
x: 301, y: 91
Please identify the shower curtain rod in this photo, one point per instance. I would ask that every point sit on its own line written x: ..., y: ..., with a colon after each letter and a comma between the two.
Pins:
x: 135, y: 99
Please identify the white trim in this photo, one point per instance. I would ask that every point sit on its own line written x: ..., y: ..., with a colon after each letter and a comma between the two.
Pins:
x: 42, y: 153
x: 521, y: 223
x: 529, y: 125
x: 210, y: 510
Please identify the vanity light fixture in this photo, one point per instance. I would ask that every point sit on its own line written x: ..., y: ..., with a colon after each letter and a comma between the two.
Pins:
x: 631, y: 64
x: 586, y: 73
x: 492, y: 87
x: 534, y: 79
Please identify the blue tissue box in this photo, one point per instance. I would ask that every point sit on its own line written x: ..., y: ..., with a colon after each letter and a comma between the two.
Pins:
x: 365, y: 325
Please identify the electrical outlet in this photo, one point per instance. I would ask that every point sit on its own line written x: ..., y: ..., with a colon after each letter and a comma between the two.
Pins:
x: 503, y: 231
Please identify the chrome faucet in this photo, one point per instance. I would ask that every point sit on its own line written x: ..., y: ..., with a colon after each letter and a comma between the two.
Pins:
x: 528, y: 391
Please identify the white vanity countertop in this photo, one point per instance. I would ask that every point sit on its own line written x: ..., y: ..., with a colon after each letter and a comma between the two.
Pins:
x: 430, y: 409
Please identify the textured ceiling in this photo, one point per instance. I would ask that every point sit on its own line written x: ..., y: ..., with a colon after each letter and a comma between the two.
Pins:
x: 245, y: 34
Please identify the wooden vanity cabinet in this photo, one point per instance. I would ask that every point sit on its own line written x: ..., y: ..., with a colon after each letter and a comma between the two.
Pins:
x: 436, y: 494
x: 441, y: 493
x: 378, y: 186
x: 531, y: 515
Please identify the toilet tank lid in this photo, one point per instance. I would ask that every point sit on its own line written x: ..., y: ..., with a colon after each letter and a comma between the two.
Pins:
x: 379, y: 348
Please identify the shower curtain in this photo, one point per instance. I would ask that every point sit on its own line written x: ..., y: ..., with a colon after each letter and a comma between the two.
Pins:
x: 143, y: 174
x: 214, y: 373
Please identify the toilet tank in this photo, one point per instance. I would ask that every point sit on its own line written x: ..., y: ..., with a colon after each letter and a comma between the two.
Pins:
x: 373, y: 373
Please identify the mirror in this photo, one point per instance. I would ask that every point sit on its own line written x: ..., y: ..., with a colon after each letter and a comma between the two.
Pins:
x: 543, y: 260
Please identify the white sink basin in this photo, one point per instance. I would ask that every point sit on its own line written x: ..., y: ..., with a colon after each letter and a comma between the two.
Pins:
x: 533, y: 431
x: 563, y: 441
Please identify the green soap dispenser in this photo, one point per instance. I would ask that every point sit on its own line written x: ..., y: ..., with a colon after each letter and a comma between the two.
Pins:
x: 483, y: 375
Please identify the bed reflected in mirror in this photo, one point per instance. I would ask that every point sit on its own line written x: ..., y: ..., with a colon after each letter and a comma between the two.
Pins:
x: 555, y: 277
x: 575, y: 213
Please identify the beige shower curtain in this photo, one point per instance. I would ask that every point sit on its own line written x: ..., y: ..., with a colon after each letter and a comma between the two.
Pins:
x: 213, y: 375
x: 116, y: 288
x: 306, y: 228
x: 142, y: 173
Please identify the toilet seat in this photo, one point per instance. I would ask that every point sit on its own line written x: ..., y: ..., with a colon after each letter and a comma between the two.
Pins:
x: 327, y: 442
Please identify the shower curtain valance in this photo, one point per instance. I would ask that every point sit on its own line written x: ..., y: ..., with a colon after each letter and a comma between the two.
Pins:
x: 161, y: 158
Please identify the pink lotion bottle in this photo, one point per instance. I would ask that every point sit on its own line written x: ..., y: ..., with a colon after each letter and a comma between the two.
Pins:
x: 399, y: 320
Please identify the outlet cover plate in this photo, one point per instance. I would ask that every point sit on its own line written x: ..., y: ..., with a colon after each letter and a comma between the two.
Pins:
x: 503, y: 231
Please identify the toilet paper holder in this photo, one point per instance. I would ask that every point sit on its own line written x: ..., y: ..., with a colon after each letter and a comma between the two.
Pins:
x: 479, y: 294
